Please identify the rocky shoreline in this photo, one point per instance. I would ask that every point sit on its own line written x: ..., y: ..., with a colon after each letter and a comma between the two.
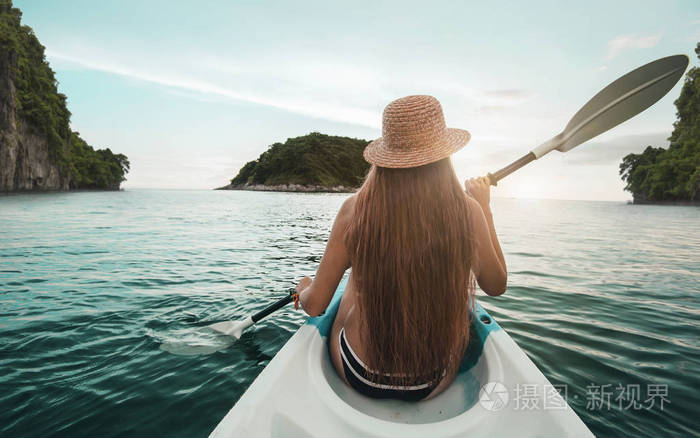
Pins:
x: 289, y: 188
x: 694, y: 203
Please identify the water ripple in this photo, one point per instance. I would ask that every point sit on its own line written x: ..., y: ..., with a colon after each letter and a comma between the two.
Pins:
x: 104, y: 298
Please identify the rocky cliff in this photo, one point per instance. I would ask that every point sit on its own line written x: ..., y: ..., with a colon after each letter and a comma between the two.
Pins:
x: 25, y: 160
x: 38, y: 150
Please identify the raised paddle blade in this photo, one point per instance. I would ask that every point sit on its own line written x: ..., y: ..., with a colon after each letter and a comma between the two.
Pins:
x: 623, y: 99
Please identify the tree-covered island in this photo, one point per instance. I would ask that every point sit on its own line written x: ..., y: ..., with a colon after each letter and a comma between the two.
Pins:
x: 38, y: 149
x: 671, y: 175
x: 311, y: 163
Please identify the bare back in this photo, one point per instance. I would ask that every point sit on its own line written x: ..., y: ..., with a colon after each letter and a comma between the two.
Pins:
x: 336, y: 260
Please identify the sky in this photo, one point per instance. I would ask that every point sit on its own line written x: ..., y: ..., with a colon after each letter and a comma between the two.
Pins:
x: 191, y: 91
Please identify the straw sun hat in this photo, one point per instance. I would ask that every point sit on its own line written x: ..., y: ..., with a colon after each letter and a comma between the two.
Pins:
x: 414, y: 134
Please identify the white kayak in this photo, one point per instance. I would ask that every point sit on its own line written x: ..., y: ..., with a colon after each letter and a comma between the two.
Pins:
x: 498, y: 392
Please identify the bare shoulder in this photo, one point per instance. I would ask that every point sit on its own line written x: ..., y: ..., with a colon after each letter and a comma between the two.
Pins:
x: 349, y: 203
x: 479, y: 230
x: 475, y: 213
x: 347, y: 210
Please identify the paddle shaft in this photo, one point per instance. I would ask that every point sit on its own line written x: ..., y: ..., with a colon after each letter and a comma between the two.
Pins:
x: 512, y: 167
x: 272, y: 308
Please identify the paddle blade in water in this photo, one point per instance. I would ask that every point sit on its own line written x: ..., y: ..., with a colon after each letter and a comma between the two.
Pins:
x: 186, y: 341
x: 231, y: 328
x: 623, y: 99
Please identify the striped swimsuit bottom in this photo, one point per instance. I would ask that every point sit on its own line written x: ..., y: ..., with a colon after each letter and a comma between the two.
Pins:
x: 363, y: 380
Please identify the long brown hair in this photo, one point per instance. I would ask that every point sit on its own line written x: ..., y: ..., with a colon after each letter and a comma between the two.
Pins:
x: 411, y: 255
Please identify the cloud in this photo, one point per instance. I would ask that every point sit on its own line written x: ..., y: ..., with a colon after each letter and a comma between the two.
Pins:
x: 504, y: 119
x: 308, y: 106
x: 492, y: 102
x: 513, y: 95
x: 336, y: 90
x: 613, y: 150
x: 506, y: 97
x: 624, y: 42
x: 491, y: 109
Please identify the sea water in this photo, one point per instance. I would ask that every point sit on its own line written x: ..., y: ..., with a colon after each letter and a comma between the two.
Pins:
x: 103, y: 296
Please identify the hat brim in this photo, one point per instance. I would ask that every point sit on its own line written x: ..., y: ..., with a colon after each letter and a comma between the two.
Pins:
x: 378, y: 154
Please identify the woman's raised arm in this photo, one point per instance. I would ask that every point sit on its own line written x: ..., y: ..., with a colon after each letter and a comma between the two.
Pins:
x: 314, y: 295
x: 490, y: 269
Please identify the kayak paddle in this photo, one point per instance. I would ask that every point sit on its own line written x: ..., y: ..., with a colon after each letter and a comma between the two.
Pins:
x: 621, y: 100
x: 235, y: 328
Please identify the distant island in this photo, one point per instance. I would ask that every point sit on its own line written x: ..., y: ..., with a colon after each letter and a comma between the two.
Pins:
x: 311, y: 163
x: 38, y: 150
x: 671, y: 176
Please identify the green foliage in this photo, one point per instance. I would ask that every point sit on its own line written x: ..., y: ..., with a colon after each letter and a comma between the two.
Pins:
x: 41, y: 108
x: 38, y: 101
x: 313, y: 160
x: 95, y: 169
x: 671, y: 174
